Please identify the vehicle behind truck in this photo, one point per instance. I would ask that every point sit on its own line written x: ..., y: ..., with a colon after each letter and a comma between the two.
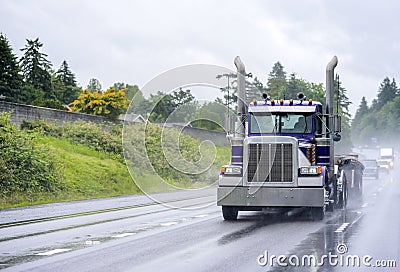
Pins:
x: 371, y: 169
x: 283, y: 155
x: 387, y: 154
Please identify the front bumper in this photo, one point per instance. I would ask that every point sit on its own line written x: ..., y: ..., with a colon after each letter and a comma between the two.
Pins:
x: 270, y: 197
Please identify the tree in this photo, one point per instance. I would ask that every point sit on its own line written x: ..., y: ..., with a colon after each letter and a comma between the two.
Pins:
x: 94, y: 85
x: 36, y: 68
x: 341, y: 96
x: 361, y: 111
x: 387, y: 92
x: 182, y: 97
x: 10, y: 77
x: 259, y: 86
x: 109, y: 103
x: 165, y: 104
x: 229, y: 92
x: 64, y: 84
x: 213, y: 116
x: 65, y: 75
x: 130, y: 90
x: 276, y: 82
x: 294, y: 86
x: 316, y: 92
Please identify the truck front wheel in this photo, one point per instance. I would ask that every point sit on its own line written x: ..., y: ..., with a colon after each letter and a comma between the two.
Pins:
x: 229, y: 213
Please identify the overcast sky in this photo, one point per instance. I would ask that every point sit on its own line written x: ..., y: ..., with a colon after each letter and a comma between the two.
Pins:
x: 134, y: 41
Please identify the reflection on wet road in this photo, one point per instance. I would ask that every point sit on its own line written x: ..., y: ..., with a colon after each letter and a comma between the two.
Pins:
x: 150, y: 237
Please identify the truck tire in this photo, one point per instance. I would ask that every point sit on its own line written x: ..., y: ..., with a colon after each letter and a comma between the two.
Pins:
x: 317, y: 213
x: 229, y: 213
x: 342, y: 201
x: 329, y: 207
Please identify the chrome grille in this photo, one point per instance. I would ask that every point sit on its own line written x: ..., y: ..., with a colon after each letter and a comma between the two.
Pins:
x: 274, y: 161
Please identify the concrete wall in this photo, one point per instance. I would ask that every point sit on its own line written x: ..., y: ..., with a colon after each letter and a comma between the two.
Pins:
x: 20, y: 112
x: 218, y: 138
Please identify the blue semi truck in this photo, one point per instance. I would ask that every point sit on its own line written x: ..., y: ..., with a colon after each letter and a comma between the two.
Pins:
x: 283, y: 154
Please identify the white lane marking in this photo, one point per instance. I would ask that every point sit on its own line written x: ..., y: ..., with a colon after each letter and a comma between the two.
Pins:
x: 364, y: 205
x: 201, y: 215
x: 123, y: 235
x: 54, y: 251
x: 168, y: 224
x: 342, y: 227
x: 92, y: 242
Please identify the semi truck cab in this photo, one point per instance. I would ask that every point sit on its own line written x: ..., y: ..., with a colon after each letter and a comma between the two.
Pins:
x: 281, y: 157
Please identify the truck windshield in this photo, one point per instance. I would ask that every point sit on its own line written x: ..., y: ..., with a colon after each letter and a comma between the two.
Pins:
x: 280, y: 122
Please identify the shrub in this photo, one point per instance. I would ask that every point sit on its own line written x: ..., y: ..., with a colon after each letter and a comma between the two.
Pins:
x: 105, y: 137
x: 25, y: 165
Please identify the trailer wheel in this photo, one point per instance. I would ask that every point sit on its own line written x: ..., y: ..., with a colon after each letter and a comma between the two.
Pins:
x: 229, y: 213
x: 317, y: 213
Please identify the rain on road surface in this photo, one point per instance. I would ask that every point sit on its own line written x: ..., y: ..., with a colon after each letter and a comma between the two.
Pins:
x: 136, y: 234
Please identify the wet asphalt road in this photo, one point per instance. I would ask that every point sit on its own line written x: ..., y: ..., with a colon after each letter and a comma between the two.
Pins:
x: 136, y: 234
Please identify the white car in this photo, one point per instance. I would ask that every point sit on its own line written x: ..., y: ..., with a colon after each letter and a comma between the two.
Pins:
x: 383, y: 165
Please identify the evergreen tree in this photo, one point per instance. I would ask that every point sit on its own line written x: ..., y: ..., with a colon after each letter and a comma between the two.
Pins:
x: 94, y: 85
x: 10, y: 77
x: 295, y: 86
x: 341, y: 96
x: 356, y: 126
x: 36, y: 68
x: 64, y: 93
x: 361, y: 111
x: 65, y: 75
x: 64, y: 84
x: 254, y: 90
x: 387, y: 92
x: 276, y: 83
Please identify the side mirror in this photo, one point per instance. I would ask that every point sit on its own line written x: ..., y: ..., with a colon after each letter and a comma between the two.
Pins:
x: 336, y: 137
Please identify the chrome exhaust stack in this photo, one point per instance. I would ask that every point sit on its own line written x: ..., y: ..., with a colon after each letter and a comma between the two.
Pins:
x: 329, y: 110
x: 238, y: 137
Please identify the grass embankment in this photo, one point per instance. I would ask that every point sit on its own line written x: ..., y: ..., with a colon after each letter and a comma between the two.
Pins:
x: 85, y: 173
x: 87, y: 163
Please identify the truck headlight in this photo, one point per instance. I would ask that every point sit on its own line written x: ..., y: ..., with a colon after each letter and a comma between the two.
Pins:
x: 391, y: 164
x: 310, y: 170
x: 231, y: 170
